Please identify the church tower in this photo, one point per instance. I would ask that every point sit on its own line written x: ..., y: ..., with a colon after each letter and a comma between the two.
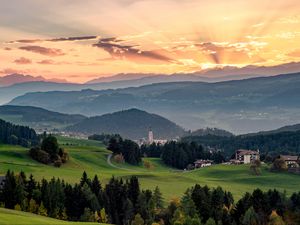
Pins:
x: 150, y: 136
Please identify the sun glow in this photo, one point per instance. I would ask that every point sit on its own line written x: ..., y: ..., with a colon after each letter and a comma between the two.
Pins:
x: 100, y: 38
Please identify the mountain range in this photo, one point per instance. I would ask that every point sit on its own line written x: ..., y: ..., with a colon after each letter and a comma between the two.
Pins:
x: 239, y: 106
x: 15, y: 85
x: 15, y: 78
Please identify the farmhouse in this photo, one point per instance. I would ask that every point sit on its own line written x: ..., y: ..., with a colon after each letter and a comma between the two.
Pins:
x: 202, y: 163
x: 243, y: 156
x: 290, y: 159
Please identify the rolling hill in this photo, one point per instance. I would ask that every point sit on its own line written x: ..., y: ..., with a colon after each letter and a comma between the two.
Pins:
x: 132, y: 123
x: 91, y: 156
x: 37, y: 118
x: 239, y: 106
x: 8, y: 216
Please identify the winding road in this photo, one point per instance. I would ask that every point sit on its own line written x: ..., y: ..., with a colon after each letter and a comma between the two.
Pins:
x: 117, y: 167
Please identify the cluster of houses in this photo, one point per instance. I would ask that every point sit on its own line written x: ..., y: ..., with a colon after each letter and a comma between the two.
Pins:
x: 243, y: 156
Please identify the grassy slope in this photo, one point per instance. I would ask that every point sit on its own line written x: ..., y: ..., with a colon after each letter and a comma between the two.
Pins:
x: 8, y: 216
x: 91, y: 157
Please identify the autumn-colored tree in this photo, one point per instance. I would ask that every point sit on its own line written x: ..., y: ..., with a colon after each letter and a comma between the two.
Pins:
x: 275, y: 219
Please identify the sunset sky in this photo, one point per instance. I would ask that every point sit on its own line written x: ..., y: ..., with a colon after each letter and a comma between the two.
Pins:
x: 80, y: 40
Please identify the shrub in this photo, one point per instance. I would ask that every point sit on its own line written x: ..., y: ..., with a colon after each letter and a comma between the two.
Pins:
x: 148, y: 165
x: 279, y: 165
x: 58, y: 163
x: 118, y: 158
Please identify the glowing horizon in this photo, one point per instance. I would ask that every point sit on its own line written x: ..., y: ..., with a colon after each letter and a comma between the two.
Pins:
x: 81, y: 40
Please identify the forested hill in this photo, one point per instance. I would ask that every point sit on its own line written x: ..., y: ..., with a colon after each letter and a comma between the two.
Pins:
x: 17, y: 135
x: 28, y: 115
x: 281, y: 142
x: 211, y: 131
x: 132, y: 123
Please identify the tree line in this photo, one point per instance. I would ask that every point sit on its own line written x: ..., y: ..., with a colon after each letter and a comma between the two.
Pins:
x: 123, y: 202
x: 180, y: 154
x: 269, y: 144
x: 128, y: 149
x: 17, y: 135
x: 176, y: 154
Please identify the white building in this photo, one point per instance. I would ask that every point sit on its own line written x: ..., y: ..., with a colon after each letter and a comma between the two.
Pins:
x: 150, y: 136
x: 243, y: 156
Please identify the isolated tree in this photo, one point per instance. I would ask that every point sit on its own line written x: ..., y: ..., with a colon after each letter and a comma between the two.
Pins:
x: 50, y: 145
x: 255, y: 167
x: 279, y: 165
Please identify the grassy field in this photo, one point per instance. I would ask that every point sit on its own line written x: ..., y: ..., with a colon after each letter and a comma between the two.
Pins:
x: 8, y: 216
x: 91, y: 156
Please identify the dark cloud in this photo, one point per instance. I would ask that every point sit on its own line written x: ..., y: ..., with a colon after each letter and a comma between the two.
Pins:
x: 7, y: 48
x: 81, y: 38
x: 43, y: 50
x: 23, y: 61
x: 117, y: 50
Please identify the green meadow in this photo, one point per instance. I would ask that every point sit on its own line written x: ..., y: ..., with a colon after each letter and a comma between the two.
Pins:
x: 14, y: 217
x: 91, y: 156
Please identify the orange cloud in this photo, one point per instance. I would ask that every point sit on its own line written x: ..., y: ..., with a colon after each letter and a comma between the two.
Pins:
x: 295, y: 53
x: 43, y: 50
x: 23, y: 61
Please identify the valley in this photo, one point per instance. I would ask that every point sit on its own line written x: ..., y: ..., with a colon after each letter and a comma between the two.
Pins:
x: 91, y: 156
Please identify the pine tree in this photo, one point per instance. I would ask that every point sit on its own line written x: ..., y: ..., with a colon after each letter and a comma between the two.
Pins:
x: 42, y: 210
x: 187, y: 205
x: 158, y: 199
x: 210, y: 221
x: 133, y: 190
x: 18, y: 207
x: 250, y: 217
x: 87, y: 216
x: 32, y: 207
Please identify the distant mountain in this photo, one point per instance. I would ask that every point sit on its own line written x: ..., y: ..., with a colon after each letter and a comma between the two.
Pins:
x: 20, y: 78
x: 38, y: 118
x: 211, y: 131
x: 132, y: 123
x: 227, y: 73
x: 239, y: 106
x: 289, y: 128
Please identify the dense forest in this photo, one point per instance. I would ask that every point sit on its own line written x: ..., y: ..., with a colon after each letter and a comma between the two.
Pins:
x: 17, y: 135
x: 180, y: 154
x: 282, y: 142
x: 123, y: 202
x: 127, y: 149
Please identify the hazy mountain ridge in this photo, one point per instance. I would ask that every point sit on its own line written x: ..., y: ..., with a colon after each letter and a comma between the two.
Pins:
x: 37, y: 118
x: 15, y: 78
x: 240, y: 106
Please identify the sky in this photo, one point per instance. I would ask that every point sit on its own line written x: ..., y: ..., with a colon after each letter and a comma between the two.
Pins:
x: 81, y: 40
